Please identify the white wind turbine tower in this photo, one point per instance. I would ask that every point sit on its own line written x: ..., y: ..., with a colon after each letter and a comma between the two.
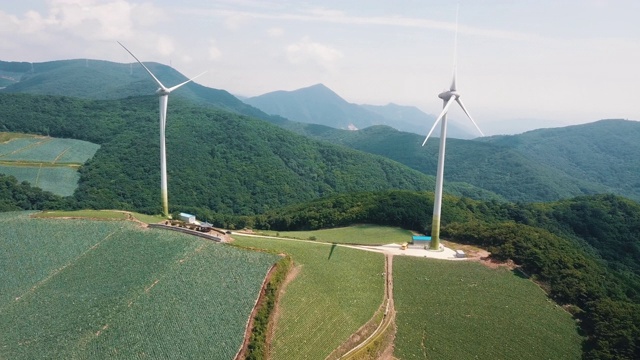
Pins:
x: 448, y: 97
x: 163, y: 94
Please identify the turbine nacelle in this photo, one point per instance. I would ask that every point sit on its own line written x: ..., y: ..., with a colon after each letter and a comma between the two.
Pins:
x: 449, y: 97
x: 162, y: 91
x: 448, y: 94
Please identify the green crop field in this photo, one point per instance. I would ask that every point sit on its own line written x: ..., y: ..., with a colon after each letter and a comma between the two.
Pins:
x: 48, y: 150
x: 48, y: 163
x: 62, y: 181
x: 86, y: 214
x: 112, y: 289
x: 464, y: 310
x: 100, y: 214
x: 356, y: 234
x: 13, y: 143
x: 336, y: 291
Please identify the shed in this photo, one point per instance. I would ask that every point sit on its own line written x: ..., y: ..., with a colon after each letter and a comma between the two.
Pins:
x: 205, y: 226
x: 188, y: 218
x: 421, y: 240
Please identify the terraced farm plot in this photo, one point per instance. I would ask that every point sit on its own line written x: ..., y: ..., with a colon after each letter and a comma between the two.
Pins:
x: 357, y: 234
x: 48, y: 163
x: 336, y: 291
x: 62, y: 181
x: 111, y: 289
x: 463, y: 310
x: 15, y: 144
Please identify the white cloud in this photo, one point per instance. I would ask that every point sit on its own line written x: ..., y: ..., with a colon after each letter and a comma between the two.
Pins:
x: 214, y: 52
x: 306, y: 51
x: 87, y: 19
x: 165, y: 45
x: 275, y: 31
x: 236, y: 20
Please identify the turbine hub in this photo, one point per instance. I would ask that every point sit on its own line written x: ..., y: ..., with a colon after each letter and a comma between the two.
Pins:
x: 162, y: 91
x: 446, y: 95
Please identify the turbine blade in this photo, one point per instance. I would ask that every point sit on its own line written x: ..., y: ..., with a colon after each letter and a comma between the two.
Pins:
x: 442, y: 114
x: 455, y: 52
x: 469, y: 116
x: 453, y: 82
x: 177, y: 86
x: 149, y: 71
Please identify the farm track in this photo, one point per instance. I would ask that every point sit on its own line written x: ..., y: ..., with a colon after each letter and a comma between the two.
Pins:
x: 58, y: 270
x: 389, y: 315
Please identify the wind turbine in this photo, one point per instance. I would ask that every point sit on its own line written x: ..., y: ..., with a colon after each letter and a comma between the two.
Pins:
x: 448, y: 97
x: 163, y: 94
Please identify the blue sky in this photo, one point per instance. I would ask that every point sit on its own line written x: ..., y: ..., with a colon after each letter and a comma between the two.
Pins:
x: 520, y: 63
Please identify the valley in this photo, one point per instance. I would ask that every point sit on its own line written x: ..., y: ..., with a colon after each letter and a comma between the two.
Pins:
x: 561, y: 208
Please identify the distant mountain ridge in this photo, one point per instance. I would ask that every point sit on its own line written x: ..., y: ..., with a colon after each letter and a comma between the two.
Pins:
x: 105, y: 80
x: 317, y: 104
x: 540, y: 165
x: 411, y: 119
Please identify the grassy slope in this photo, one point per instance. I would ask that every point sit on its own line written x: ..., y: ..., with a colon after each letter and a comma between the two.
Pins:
x: 96, y: 289
x: 100, y: 214
x: 357, y: 234
x: 462, y: 310
x: 336, y: 291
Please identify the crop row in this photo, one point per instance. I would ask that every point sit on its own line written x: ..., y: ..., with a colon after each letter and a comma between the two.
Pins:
x: 458, y: 310
x: 49, y: 150
x: 335, y: 292
x: 58, y: 180
x: 130, y: 293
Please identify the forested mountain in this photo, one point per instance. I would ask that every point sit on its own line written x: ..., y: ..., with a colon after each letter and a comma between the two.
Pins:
x: 216, y: 159
x: 411, y: 119
x: 499, y: 168
x: 100, y: 80
x: 316, y: 104
x: 320, y: 105
x: 605, y: 152
x: 541, y: 165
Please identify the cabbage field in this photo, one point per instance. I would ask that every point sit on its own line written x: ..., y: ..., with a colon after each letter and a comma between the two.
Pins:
x: 112, y: 289
x: 48, y: 163
x: 335, y: 292
x: 464, y: 310
x: 60, y: 180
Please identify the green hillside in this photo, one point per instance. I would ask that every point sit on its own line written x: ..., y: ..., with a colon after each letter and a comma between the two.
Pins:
x: 583, y: 252
x: 541, y: 165
x: 16, y: 195
x: 494, y: 167
x: 604, y: 152
x: 216, y: 160
x: 99, y: 80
